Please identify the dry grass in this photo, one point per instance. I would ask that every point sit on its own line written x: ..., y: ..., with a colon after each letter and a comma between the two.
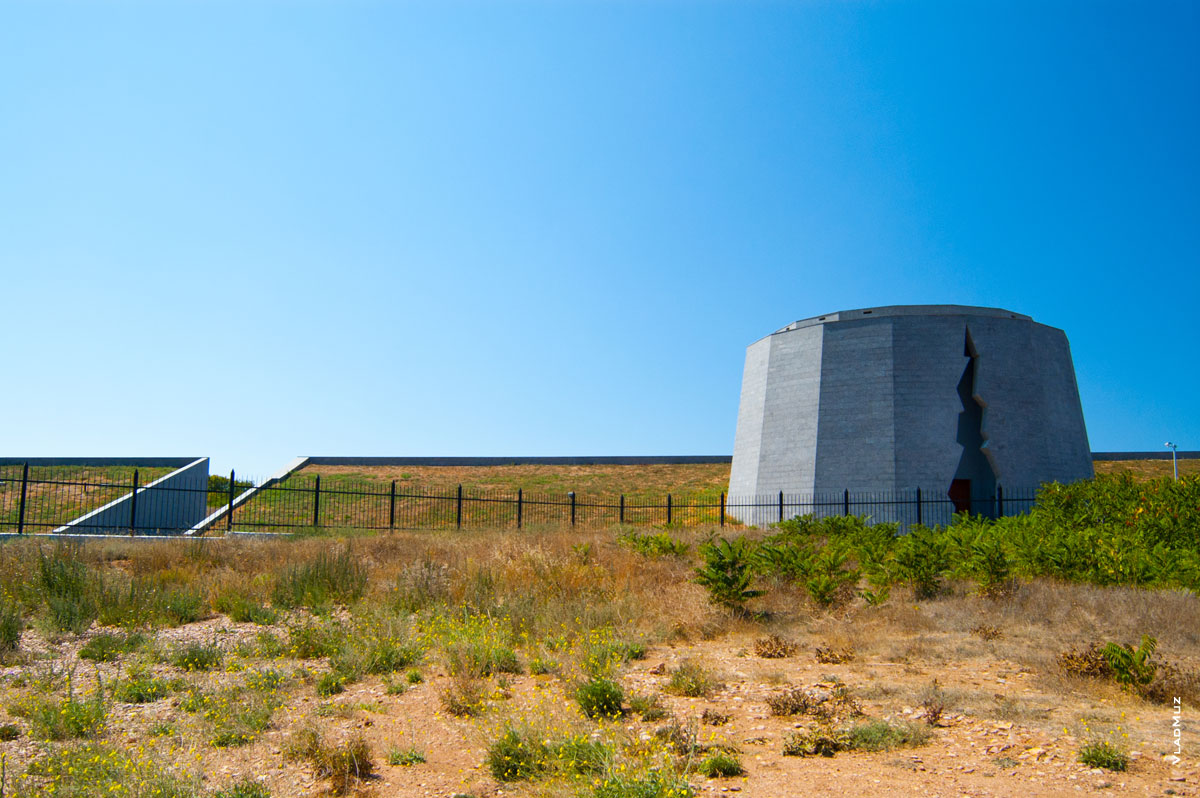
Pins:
x: 598, y: 480
x: 1146, y: 469
x: 462, y: 598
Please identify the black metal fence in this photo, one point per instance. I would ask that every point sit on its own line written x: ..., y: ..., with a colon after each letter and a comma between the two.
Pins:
x: 32, y: 501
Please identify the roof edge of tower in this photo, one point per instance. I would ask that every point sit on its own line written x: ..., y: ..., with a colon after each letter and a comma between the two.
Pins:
x: 904, y: 310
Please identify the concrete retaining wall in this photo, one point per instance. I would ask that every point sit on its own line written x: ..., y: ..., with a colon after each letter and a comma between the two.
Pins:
x: 170, y: 504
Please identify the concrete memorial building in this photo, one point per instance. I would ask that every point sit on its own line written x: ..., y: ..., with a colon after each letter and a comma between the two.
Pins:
x: 951, y: 399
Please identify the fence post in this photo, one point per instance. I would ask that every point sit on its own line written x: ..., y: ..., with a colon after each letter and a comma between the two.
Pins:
x: 458, y: 510
x: 846, y: 502
x: 317, y: 501
x: 572, y: 496
x: 21, y: 512
x: 621, y: 514
x: 918, y: 505
x: 520, y: 501
x: 133, y: 504
x: 392, y: 507
x: 781, y: 507
x: 1000, y: 500
x: 229, y: 512
x: 722, y: 508
x: 668, y: 508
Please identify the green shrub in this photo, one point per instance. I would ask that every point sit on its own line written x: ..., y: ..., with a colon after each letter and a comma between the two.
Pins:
x: 245, y: 787
x: 652, y: 785
x: 1132, y: 666
x: 601, y: 654
x: 330, y: 578
x: 727, y: 572
x: 405, y: 757
x: 314, y: 641
x: 130, y: 604
x: 540, y: 667
x: 68, y: 588
x: 818, y: 741
x: 331, y: 683
x: 198, y: 657
x: 243, y: 609
x: 95, y: 768
x: 829, y: 579
x: 230, y: 738
x: 1103, y: 754
x: 600, y: 698
x: 659, y: 544
x: 265, y: 680
x: 580, y: 756
x: 161, y: 729
x: 9, y: 732
x: 517, y: 756
x: 70, y: 718
x: 107, y: 647
x: 879, y: 735
x: 648, y: 707
x: 721, y: 764
x: 264, y: 646
x: 345, y: 766
x: 367, y: 652
x: 195, y: 700
x: 990, y: 564
x: 183, y: 606
x: 238, y: 717
x: 141, y: 689
x: 481, y: 655
x: 465, y: 696
x: 922, y: 559
x: 691, y: 679
x: 11, y: 626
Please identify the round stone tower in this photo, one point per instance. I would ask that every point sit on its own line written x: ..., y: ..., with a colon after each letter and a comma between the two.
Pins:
x: 951, y: 399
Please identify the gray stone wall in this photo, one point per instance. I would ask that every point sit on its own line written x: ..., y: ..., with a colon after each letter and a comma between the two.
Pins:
x: 791, y: 400
x: 856, y: 440
x: 743, y: 473
x: 897, y: 398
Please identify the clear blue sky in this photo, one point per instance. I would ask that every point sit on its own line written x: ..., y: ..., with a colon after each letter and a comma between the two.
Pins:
x: 253, y: 230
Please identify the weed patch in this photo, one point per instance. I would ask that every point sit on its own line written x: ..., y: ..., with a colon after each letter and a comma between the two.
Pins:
x: 1103, y: 754
x: 198, y: 657
x: 600, y: 698
x: 774, y: 647
x: 693, y: 680
x: 329, y: 578
x: 345, y: 765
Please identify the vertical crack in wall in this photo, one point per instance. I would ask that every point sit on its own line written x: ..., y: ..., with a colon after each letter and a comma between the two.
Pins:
x: 976, y: 463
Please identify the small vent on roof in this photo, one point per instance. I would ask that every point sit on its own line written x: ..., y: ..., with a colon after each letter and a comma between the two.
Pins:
x: 865, y: 312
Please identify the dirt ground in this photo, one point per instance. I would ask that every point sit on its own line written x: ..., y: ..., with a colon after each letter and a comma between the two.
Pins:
x: 1007, y: 730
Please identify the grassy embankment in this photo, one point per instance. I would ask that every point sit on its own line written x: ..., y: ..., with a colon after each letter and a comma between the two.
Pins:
x: 57, y: 494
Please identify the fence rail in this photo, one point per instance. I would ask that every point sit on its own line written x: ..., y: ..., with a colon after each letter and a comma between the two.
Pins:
x: 32, y: 501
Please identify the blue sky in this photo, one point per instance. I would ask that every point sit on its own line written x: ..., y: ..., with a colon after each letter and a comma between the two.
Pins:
x: 253, y: 230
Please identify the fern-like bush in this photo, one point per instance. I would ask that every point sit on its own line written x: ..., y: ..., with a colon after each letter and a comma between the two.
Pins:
x: 1132, y: 666
x: 727, y: 572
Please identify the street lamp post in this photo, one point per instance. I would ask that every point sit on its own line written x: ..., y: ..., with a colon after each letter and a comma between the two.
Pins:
x: 1174, y: 461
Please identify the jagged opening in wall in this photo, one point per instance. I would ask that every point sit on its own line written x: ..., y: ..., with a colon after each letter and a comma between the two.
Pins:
x: 974, y: 485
